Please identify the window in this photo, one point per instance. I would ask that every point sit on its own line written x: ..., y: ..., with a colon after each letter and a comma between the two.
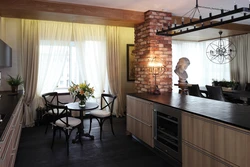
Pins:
x: 65, y: 78
x: 69, y: 63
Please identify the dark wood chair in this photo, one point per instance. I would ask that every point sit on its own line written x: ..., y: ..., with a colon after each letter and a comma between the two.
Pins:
x: 50, y: 98
x: 194, y: 90
x: 104, y: 113
x: 64, y: 122
x: 247, y: 87
x: 215, y: 92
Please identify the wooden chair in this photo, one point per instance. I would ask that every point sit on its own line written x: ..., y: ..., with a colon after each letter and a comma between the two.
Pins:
x: 64, y: 122
x: 194, y: 90
x: 105, y: 112
x: 215, y: 92
x: 247, y: 87
x: 50, y: 98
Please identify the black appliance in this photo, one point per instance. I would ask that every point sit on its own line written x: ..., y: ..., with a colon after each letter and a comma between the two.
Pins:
x: 167, y: 131
x: 5, y: 55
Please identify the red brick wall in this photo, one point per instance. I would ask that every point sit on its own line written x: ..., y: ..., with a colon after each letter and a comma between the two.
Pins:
x: 148, y: 45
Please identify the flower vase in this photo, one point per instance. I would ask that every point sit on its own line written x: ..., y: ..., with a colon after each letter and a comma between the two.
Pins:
x: 82, y: 103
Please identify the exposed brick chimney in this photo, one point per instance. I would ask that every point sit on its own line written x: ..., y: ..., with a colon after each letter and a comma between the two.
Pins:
x: 148, y: 45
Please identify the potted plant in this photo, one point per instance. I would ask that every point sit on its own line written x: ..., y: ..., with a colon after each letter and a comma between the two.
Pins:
x: 14, y: 82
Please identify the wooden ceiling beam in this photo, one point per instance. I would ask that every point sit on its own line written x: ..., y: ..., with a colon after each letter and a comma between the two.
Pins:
x: 70, y: 12
x: 56, y: 11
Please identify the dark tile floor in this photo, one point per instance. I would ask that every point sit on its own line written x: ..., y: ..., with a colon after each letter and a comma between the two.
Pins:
x: 112, y: 151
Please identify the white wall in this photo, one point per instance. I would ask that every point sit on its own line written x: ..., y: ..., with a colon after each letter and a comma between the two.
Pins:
x: 10, y: 33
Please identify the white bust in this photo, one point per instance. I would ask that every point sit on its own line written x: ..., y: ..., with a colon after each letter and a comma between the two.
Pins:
x: 180, y: 69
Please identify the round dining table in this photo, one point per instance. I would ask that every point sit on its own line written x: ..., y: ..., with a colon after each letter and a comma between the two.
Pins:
x: 74, y: 106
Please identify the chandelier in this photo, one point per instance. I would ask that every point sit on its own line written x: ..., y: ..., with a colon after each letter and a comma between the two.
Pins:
x: 221, y: 51
x: 203, y: 23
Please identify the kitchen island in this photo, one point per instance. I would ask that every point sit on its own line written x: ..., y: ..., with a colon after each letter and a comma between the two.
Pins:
x: 213, y: 133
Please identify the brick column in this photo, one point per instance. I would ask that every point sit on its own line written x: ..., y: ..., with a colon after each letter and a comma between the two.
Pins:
x: 149, y: 45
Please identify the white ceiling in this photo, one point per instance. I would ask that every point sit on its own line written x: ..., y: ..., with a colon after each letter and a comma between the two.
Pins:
x: 176, y: 7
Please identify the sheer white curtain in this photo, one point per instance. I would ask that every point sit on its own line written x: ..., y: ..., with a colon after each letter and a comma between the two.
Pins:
x: 90, y: 45
x: 113, y: 67
x: 201, y: 70
x: 240, y: 66
x: 55, y: 38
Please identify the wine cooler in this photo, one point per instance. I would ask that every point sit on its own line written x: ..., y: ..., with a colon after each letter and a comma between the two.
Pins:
x: 167, y: 132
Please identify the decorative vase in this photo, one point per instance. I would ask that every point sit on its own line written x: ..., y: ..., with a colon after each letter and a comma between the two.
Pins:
x: 82, y: 103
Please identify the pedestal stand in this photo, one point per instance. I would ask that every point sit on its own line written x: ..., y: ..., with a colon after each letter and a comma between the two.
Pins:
x: 183, y: 88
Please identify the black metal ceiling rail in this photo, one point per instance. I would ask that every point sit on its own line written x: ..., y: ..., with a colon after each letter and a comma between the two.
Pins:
x: 169, y: 30
x: 165, y: 32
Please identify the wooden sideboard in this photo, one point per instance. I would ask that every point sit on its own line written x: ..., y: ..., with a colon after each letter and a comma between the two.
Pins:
x: 11, y: 129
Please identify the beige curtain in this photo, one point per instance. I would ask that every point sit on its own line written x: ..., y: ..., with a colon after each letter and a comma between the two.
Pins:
x: 113, y: 68
x: 240, y: 65
x: 29, y: 60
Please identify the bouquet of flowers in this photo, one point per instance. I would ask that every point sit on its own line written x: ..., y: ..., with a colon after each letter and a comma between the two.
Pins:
x: 82, y: 91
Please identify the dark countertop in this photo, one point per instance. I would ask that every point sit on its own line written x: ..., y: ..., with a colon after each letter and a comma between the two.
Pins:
x: 8, y: 102
x: 229, y: 113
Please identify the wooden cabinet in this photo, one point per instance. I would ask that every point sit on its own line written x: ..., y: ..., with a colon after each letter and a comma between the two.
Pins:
x: 140, y: 119
x: 10, y: 138
x: 209, y: 143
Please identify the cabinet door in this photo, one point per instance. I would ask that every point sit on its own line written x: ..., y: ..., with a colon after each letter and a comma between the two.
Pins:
x: 232, y: 144
x: 221, y: 142
x: 140, y: 119
x: 196, y: 158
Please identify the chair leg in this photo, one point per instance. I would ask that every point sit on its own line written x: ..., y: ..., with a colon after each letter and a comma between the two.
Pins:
x: 111, y: 123
x: 46, y: 128
x: 90, y: 123
x: 53, y: 139
x: 47, y: 123
x: 100, y: 124
x: 100, y: 132
x: 79, y: 136
x: 67, y: 141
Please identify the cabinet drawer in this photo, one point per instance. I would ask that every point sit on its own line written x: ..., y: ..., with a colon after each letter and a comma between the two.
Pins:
x: 140, y: 130
x: 140, y: 109
x: 6, y: 150
x: 17, y: 113
x: 197, y: 158
x: 4, y: 145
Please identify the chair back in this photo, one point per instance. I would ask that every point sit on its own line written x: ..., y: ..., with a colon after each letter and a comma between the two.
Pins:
x: 50, y: 98
x: 215, y: 92
x: 60, y: 112
x: 107, y: 101
x: 194, y: 90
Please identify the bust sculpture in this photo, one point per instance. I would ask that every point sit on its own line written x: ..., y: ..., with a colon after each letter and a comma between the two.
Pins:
x: 180, y: 69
